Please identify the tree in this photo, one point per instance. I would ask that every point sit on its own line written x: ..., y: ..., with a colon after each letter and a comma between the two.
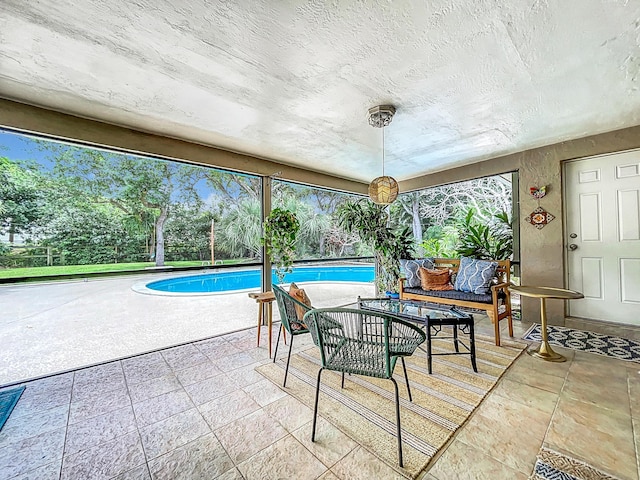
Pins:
x: 340, y: 243
x: 187, y: 233
x: 138, y: 186
x: 20, y: 198
x: 233, y: 188
x: 88, y: 235
x: 313, y: 223
x: 441, y: 242
x: 487, y: 196
x: 445, y: 204
x: 240, y: 228
x: 409, y: 212
x: 84, y: 231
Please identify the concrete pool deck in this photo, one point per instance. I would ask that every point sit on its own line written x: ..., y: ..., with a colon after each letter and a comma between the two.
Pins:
x: 47, y: 328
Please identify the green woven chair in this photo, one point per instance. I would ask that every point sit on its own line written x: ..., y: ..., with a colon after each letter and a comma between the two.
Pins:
x: 291, y: 313
x: 364, y: 343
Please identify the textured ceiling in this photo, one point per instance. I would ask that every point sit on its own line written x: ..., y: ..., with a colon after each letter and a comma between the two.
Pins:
x: 292, y: 81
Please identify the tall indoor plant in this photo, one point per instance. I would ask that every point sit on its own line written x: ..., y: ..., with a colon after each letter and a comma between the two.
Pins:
x: 370, y: 222
x: 280, y: 232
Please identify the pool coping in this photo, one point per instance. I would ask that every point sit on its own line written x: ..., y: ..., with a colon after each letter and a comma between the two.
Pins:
x: 141, y: 287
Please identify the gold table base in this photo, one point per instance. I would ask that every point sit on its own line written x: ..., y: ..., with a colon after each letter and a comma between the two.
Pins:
x: 544, y: 350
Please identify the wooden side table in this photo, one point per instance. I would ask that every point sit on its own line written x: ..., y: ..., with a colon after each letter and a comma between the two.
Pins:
x: 262, y: 299
x: 544, y: 351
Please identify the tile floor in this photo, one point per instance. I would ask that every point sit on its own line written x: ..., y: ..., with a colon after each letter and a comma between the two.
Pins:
x: 200, y: 411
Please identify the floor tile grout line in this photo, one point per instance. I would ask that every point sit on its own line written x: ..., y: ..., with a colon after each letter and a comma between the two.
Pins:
x: 581, y: 458
x: 315, y: 456
x: 135, y: 419
x: 555, y: 408
x: 262, y: 408
x: 66, y: 431
x: 357, y: 445
x: 37, y: 412
x: 456, y: 434
x: 289, y: 434
x: 197, y: 408
x: 221, y: 444
x: 485, y: 454
x: 71, y: 387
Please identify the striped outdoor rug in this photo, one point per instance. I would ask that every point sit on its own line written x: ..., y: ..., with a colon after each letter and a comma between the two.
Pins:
x: 365, y: 409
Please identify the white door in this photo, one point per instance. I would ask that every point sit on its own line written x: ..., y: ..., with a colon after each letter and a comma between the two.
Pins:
x: 603, y: 236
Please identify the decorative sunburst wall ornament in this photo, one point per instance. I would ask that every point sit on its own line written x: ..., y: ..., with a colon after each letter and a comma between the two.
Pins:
x: 539, y: 218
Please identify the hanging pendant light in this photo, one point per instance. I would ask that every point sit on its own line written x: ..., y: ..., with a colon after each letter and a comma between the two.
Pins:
x: 382, y: 190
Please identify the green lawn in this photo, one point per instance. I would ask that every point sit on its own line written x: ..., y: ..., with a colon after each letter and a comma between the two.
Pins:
x: 34, y: 272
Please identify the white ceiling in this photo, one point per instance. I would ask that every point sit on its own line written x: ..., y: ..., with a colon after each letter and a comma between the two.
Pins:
x: 292, y: 81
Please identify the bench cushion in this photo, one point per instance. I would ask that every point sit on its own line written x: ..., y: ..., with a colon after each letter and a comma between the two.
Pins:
x: 452, y: 294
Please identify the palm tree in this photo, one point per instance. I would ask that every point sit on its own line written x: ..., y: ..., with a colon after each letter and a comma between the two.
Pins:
x: 314, y: 225
x: 240, y: 229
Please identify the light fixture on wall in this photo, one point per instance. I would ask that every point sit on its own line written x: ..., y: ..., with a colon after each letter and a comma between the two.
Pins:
x: 382, y: 190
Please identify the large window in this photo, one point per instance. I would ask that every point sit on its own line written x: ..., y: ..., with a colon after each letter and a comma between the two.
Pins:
x: 472, y: 218
x: 66, y: 205
x: 320, y: 236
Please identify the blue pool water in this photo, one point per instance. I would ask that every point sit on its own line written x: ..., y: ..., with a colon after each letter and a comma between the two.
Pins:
x: 248, y: 279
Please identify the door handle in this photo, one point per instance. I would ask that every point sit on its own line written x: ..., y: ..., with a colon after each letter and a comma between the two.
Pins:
x: 573, y: 247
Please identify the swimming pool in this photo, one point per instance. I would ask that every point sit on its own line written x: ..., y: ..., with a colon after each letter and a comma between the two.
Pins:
x: 221, y: 282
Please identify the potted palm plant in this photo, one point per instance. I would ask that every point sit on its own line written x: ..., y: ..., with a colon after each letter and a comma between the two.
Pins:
x: 280, y: 231
x: 370, y: 222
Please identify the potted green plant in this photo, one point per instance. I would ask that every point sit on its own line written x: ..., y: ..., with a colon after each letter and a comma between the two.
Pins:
x: 280, y: 231
x: 370, y: 222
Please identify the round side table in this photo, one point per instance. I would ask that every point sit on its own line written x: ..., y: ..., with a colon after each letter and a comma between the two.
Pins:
x: 544, y: 351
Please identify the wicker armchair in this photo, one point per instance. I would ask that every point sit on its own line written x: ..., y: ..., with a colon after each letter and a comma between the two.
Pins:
x: 364, y: 343
x: 291, y: 313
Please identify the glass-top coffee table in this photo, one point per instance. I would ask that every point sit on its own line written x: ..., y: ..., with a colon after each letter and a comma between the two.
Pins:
x: 433, y: 317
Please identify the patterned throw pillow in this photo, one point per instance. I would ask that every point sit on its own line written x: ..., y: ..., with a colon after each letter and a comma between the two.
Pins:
x: 300, y: 295
x: 435, y: 279
x: 410, y: 270
x: 475, y: 276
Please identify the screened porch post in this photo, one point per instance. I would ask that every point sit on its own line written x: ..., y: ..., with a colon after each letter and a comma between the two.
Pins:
x: 265, y: 210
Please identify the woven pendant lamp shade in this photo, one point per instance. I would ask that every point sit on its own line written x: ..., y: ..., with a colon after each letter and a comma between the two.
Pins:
x: 383, y: 190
